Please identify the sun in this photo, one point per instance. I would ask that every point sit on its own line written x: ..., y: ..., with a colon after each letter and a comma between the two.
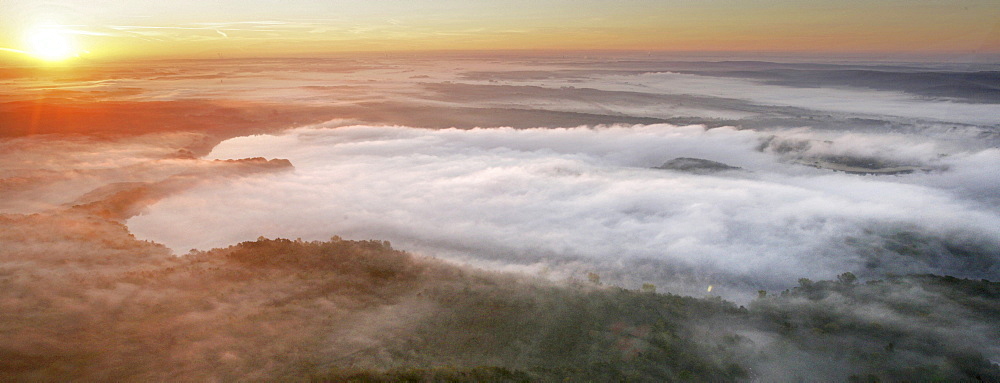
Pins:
x: 50, y: 45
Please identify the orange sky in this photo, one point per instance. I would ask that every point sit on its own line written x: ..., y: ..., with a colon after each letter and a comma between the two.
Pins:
x: 255, y: 28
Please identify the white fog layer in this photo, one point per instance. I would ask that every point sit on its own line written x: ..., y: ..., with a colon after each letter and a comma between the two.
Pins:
x: 578, y: 199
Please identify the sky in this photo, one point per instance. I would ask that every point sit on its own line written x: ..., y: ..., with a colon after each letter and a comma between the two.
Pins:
x: 262, y: 28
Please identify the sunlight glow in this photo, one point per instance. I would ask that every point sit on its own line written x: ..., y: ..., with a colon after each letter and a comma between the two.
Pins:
x: 50, y: 45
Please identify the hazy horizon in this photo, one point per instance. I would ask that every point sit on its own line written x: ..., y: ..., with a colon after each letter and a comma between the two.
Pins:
x: 264, y: 28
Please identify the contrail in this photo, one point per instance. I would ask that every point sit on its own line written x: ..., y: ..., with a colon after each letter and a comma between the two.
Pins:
x: 14, y: 50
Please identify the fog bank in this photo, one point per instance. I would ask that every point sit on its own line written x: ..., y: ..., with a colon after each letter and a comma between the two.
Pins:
x: 566, y: 201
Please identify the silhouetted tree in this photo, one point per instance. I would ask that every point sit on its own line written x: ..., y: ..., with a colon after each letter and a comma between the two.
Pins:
x: 847, y: 278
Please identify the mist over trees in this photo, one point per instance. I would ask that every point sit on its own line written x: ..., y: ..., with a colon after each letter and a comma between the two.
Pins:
x: 360, y: 310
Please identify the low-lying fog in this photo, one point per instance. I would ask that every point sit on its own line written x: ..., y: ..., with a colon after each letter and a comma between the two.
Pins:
x: 570, y: 200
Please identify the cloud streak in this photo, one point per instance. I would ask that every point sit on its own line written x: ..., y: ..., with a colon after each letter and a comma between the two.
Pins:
x: 862, y: 102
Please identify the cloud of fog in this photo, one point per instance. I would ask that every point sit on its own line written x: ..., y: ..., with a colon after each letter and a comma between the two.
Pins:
x: 42, y: 172
x: 61, y: 153
x: 574, y: 199
x: 894, y: 324
x: 46, y: 173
